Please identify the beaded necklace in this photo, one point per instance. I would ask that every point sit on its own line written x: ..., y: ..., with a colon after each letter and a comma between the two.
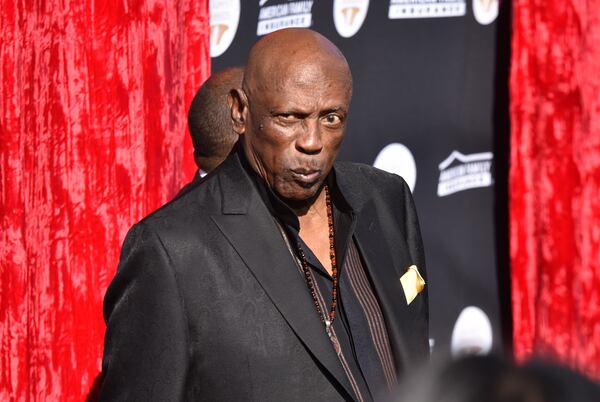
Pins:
x: 326, y: 319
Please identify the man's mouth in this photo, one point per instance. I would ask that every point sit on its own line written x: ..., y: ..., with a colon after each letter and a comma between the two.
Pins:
x: 306, y: 176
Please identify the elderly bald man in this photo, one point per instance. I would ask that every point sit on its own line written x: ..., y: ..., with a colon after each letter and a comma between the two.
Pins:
x: 283, y: 276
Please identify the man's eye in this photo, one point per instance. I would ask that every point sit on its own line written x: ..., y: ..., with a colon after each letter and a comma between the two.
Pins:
x: 287, y: 116
x: 333, y: 119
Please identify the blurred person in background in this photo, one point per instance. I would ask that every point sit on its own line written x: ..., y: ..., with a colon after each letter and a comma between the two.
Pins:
x: 495, y: 379
x: 209, y: 119
x: 209, y: 122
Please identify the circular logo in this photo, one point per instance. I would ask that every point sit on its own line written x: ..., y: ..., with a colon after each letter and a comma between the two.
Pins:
x: 396, y: 158
x: 349, y: 15
x: 472, y: 334
x: 224, y: 20
x: 485, y: 11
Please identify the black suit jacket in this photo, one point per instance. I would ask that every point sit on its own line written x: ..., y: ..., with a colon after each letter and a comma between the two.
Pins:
x: 208, y: 304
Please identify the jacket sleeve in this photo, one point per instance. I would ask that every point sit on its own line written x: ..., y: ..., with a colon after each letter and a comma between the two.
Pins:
x: 145, y: 346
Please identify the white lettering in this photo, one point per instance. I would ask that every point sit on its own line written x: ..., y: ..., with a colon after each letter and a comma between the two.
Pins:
x: 282, y: 10
x: 465, y: 176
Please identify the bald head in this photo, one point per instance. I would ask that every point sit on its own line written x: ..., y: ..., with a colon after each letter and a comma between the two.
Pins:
x: 291, y: 54
x: 209, y: 118
x: 291, y: 112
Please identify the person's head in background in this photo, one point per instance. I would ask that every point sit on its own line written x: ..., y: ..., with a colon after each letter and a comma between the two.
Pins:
x: 495, y: 379
x: 209, y: 119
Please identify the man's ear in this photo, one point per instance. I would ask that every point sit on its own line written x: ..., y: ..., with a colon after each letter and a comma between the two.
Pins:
x: 238, y: 103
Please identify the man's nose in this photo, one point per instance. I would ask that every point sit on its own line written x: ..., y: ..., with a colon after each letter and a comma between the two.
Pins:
x: 309, y: 139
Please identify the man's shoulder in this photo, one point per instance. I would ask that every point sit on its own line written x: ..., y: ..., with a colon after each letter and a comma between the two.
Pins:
x: 190, y: 207
x: 361, y: 176
x: 364, y: 170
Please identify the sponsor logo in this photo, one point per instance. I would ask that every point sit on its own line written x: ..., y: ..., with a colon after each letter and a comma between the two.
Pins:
x: 396, y: 158
x: 401, y: 9
x: 283, y: 14
x: 472, y: 333
x: 485, y: 11
x: 460, y: 172
x: 224, y: 20
x: 349, y: 15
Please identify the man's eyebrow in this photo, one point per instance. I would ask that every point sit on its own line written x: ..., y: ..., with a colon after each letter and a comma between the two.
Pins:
x: 288, y: 110
x: 295, y: 110
x: 333, y: 110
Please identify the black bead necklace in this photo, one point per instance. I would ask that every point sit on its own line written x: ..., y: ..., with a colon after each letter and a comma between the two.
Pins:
x: 327, y: 320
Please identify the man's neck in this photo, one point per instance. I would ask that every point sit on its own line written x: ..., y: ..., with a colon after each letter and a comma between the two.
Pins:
x: 314, y: 230
x: 316, y: 209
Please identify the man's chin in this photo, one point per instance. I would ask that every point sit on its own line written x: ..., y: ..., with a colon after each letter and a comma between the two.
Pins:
x: 303, y: 198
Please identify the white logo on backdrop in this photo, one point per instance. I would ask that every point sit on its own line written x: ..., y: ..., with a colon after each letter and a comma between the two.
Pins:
x: 460, y: 172
x: 290, y: 14
x: 349, y: 15
x: 472, y: 334
x: 396, y: 158
x: 400, y: 9
x: 485, y: 11
x: 224, y: 20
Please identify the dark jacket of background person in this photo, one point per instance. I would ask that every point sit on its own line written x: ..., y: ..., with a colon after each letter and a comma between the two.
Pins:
x: 208, y: 303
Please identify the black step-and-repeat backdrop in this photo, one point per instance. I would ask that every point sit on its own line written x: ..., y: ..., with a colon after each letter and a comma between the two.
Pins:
x: 423, y: 107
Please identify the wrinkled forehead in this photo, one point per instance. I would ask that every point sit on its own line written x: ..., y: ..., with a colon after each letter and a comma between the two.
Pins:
x: 280, y: 74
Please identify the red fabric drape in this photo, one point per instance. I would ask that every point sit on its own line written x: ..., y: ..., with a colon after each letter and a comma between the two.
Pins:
x: 555, y: 181
x: 93, y: 119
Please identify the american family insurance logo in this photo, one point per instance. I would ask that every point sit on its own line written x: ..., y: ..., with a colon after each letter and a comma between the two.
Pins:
x: 224, y: 20
x: 403, y: 9
x: 460, y: 172
x: 485, y: 11
x: 349, y: 15
x: 275, y: 15
x: 396, y: 158
x: 472, y: 333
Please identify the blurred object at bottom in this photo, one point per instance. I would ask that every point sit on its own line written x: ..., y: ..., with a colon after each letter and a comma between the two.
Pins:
x: 494, y: 379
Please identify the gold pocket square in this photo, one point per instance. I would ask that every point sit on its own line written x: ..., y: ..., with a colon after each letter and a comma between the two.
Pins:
x: 412, y: 283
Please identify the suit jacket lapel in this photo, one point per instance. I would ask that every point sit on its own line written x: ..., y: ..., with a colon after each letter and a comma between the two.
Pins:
x: 383, y: 267
x: 385, y: 276
x: 251, y: 230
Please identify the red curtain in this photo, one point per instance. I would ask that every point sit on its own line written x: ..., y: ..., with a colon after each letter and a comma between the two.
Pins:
x: 555, y: 181
x: 92, y: 125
